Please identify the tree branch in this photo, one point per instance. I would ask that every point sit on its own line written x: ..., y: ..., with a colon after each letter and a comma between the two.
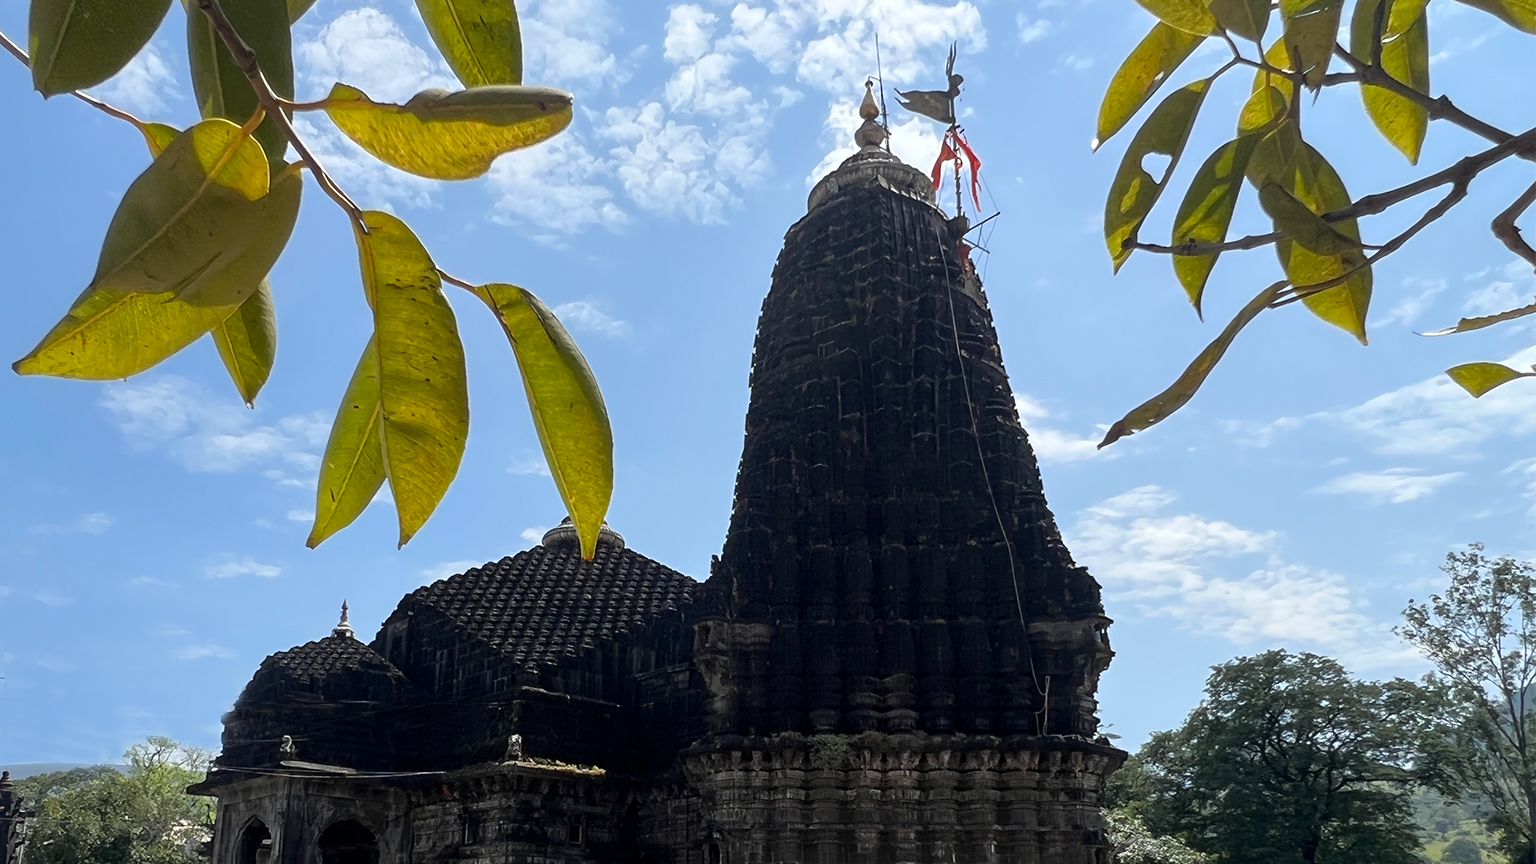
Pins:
x: 111, y: 110
x: 245, y: 60
x: 1508, y: 232
x: 1439, y: 107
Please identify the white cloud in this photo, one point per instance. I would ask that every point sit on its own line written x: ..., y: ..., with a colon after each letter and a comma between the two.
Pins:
x: 86, y: 523
x: 582, y: 316
x: 367, y: 49
x: 1191, y: 569
x: 1074, y: 62
x: 202, y: 650
x: 564, y: 44
x: 1512, y: 289
x: 1031, y: 30
x: 145, y: 85
x: 528, y: 464
x: 690, y: 31
x: 535, y: 534
x: 246, y: 566
x: 1052, y: 445
x: 1410, y: 308
x: 208, y: 435
x: 673, y: 168
x: 448, y: 568
x: 301, y: 515
x: 1395, y: 485
x: 558, y: 186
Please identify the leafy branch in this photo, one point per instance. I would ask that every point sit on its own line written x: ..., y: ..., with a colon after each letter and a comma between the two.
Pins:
x: 1327, y: 264
x: 189, y: 251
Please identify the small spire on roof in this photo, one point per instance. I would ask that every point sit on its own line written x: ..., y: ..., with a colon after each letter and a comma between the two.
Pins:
x: 871, y: 133
x: 343, y: 627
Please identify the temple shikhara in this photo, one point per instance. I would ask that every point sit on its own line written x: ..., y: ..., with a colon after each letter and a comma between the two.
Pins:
x: 893, y: 659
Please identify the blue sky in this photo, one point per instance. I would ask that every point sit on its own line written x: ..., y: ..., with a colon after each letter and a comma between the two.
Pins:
x: 151, y: 530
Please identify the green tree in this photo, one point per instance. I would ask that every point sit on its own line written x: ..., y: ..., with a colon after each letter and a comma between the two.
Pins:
x: 1462, y: 851
x: 1325, y: 258
x: 1481, y: 636
x: 1289, y: 759
x: 142, y: 815
x: 188, y: 251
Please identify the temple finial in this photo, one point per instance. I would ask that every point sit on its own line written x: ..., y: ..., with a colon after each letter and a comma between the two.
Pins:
x: 871, y: 133
x: 344, y: 627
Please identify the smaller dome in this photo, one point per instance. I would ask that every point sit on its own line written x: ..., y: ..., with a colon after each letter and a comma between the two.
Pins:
x: 562, y: 537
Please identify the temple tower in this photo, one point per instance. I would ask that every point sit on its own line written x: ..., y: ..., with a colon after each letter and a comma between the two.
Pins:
x: 899, y: 652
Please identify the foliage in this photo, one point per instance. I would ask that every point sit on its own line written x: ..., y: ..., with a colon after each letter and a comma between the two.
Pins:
x: 1288, y: 759
x: 1444, y: 823
x: 189, y: 249
x: 1135, y: 844
x: 1480, y: 634
x: 1324, y: 258
x: 1462, y: 851
x: 104, y: 816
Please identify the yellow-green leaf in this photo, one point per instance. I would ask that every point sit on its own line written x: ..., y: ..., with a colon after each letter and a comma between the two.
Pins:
x: 1311, y: 29
x: 192, y: 211
x: 1311, y: 180
x: 1478, y: 323
x: 236, y: 280
x: 158, y: 136
x: 450, y: 136
x: 297, y: 8
x: 1404, y: 56
x: 1297, y: 222
x: 222, y: 90
x: 1247, y: 18
x: 352, y: 469
x: 1206, y: 212
x: 76, y: 44
x: 109, y: 335
x: 1160, y: 407
x: 1135, y: 190
x: 1479, y: 378
x: 478, y: 38
x: 423, y: 394
x: 1191, y: 16
x: 567, y: 407
x: 247, y: 342
x: 1143, y: 72
x: 1520, y: 14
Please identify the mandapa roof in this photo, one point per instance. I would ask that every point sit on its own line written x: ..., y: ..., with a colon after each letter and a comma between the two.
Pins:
x: 546, y: 602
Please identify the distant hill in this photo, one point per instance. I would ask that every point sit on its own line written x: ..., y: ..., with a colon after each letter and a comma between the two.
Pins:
x: 27, y: 769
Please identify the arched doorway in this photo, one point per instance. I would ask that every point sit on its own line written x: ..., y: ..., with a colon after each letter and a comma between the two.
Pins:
x: 254, y: 845
x: 348, y: 842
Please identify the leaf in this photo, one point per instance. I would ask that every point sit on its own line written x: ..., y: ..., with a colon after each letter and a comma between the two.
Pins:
x: 1404, y: 56
x: 108, y: 335
x: 1478, y: 323
x: 1191, y: 16
x: 1299, y: 223
x: 1519, y: 14
x: 1247, y: 18
x: 1311, y: 180
x: 192, y: 210
x: 1272, y: 93
x: 423, y: 395
x: 222, y: 90
x: 76, y: 44
x: 1311, y: 28
x: 352, y: 469
x: 1479, y: 378
x: 478, y: 38
x: 1160, y: 407
x: 450, y: 136
x: 1145, y: 69
x: 237, y: 280
x: 158, y: 136
x: 567, y: 407
x: 1134, y: 190
x: 297, y: 8
x: 1206, y: 212
x: 247, y: 342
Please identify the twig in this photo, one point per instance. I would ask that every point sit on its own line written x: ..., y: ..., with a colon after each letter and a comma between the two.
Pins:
x: 245, y: 60
x: 1465, y: 169
x: 1508, y: 232
x: 1439, y: 107
x: 111, y: 110
x: 1451, y: 199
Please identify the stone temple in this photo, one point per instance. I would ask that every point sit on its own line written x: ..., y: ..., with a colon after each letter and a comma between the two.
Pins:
x: 893, y: 660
